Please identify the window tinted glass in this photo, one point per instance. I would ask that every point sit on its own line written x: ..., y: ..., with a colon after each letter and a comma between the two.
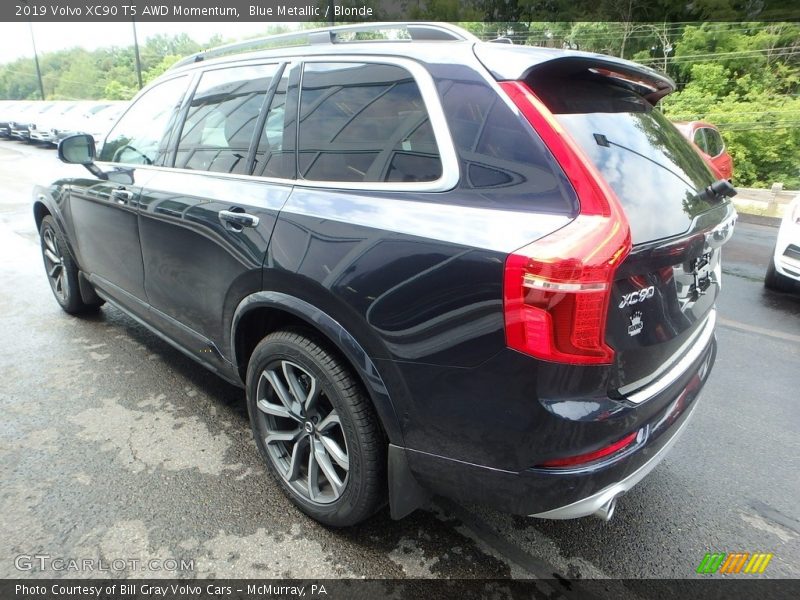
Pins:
x: 222, y: 119
x: 700, y: 139
x: 713, y: 141
x: 139, y: 137
x: 656, y: 173
x: 274, y: 157
x: 364, y: 122
x: 501, y: 155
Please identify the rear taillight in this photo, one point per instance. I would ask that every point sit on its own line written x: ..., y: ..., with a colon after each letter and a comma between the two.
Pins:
x: 556, y: 290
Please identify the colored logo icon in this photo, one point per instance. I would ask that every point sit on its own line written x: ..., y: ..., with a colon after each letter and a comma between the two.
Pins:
x: 734, y: 562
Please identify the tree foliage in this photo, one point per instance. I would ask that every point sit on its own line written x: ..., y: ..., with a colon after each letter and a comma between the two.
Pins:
x: 743, y: 77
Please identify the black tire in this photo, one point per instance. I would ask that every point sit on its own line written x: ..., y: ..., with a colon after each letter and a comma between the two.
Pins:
x: 342, y: 411
x: 61, y: 270
x: 774, y: 280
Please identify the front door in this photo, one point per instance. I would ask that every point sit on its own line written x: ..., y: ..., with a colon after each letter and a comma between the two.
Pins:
x: 104, y: 212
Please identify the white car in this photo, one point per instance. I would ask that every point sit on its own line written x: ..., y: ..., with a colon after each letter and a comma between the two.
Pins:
x: 783, y: 272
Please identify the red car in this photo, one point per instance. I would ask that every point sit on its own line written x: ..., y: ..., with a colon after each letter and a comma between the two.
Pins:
x: 710, y: 144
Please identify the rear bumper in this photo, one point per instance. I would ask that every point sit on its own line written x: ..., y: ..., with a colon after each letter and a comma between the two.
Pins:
x: 564, y: 493
x: 594, y: 503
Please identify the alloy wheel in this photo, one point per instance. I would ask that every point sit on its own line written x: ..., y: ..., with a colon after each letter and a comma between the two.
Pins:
x: 303, y: 433
x: 54, y: 264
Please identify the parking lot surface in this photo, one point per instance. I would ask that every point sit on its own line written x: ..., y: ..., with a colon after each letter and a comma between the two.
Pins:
x: 116, y: 446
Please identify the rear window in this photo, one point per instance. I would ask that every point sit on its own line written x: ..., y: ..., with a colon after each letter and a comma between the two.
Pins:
x: 714, y: 143
x: 653, y: 169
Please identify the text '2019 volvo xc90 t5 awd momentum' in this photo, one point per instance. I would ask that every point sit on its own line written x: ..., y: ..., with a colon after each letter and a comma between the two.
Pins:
x: 436, y: 265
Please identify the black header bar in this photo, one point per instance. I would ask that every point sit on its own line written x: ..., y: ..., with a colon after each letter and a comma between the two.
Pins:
x: 331, y: 11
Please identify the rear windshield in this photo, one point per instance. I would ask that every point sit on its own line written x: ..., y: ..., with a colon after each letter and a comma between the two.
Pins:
x: 654, y: 171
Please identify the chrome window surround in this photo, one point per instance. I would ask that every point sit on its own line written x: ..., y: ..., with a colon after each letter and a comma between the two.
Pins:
x: 671, y: 370
x: 430, y: 97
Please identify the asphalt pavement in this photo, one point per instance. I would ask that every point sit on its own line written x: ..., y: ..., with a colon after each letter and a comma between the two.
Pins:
x: 113, y: 445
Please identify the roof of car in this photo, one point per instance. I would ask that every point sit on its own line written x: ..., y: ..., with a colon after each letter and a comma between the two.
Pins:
x: 438, y: 43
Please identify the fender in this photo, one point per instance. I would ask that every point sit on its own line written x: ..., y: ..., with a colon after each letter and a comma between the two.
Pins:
x: 42, y: 198
x: 405, y: 492
x: 337, y: 335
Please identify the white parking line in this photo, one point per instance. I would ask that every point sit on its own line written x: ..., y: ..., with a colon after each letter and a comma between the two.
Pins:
x: 780, y: 335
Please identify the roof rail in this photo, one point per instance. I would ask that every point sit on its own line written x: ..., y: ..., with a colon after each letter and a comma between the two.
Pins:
x: 417, y: 32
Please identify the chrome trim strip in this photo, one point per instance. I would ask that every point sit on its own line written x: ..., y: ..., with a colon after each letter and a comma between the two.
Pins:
x: 635, y: 385
x: 698, y: 344
x: 591, y: 504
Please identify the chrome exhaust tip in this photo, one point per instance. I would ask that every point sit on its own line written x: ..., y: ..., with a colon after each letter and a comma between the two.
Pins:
x: 606, y: 511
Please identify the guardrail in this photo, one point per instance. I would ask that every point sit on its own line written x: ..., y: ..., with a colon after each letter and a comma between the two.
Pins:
x: 766, y: 202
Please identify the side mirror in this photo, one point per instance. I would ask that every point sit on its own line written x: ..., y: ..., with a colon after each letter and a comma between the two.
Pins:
x: 79, y: 149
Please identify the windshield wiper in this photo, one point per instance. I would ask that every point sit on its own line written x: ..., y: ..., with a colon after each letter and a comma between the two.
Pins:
x: 718, y: 190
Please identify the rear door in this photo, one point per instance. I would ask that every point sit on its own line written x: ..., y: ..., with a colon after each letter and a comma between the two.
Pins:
x: 205, y: 224
x: 663, y: 297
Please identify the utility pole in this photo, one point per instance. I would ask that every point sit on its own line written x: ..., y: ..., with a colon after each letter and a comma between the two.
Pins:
x: 136, y: 51
x: 36, y: 60
x: 35, y: 55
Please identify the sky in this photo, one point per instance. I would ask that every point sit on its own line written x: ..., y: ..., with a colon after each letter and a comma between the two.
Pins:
x: 15, y: 38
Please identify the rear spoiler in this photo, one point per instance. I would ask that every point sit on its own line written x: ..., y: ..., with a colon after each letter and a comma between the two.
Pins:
x: 514, y: 63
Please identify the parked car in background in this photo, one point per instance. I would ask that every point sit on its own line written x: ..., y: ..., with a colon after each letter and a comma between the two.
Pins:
x: 708, y: 140
x: 26, y: 120
x: 82, y: 121
x: 61, y: 119
x: 783, y: 271
x: 98, y: 123
x: 41, y: 129
x: 437, y: 266
x: 7, y: 111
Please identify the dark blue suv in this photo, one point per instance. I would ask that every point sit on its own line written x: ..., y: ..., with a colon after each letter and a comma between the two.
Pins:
x: 437, y: 265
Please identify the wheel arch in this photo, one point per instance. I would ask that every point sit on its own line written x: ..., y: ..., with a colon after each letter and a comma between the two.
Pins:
x: 267, y: 311
x: 40, y: 211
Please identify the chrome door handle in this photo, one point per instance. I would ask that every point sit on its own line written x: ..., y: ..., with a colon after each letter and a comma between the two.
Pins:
x: 121, y: 195
x: 238, y: 219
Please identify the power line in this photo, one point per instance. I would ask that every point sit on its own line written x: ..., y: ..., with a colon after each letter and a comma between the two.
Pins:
x: 778, y: 50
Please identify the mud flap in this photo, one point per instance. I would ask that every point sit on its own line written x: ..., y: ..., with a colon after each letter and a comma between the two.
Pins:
x: 405, y: 493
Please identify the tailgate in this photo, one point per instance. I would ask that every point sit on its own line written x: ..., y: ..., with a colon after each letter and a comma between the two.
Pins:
x: 662, y: 302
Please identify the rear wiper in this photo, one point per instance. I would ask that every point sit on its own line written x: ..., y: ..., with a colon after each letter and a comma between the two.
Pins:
x: 602, y: 140
x: 718, y: 190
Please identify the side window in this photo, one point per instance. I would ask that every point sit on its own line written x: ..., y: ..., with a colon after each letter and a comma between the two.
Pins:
x: 499, y: 153
x: 714, y: 142
x: 138, y: 137
x: 364, y: 123
x: 700, y: 139
x: 274, y: 155
x: 222, y: 119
